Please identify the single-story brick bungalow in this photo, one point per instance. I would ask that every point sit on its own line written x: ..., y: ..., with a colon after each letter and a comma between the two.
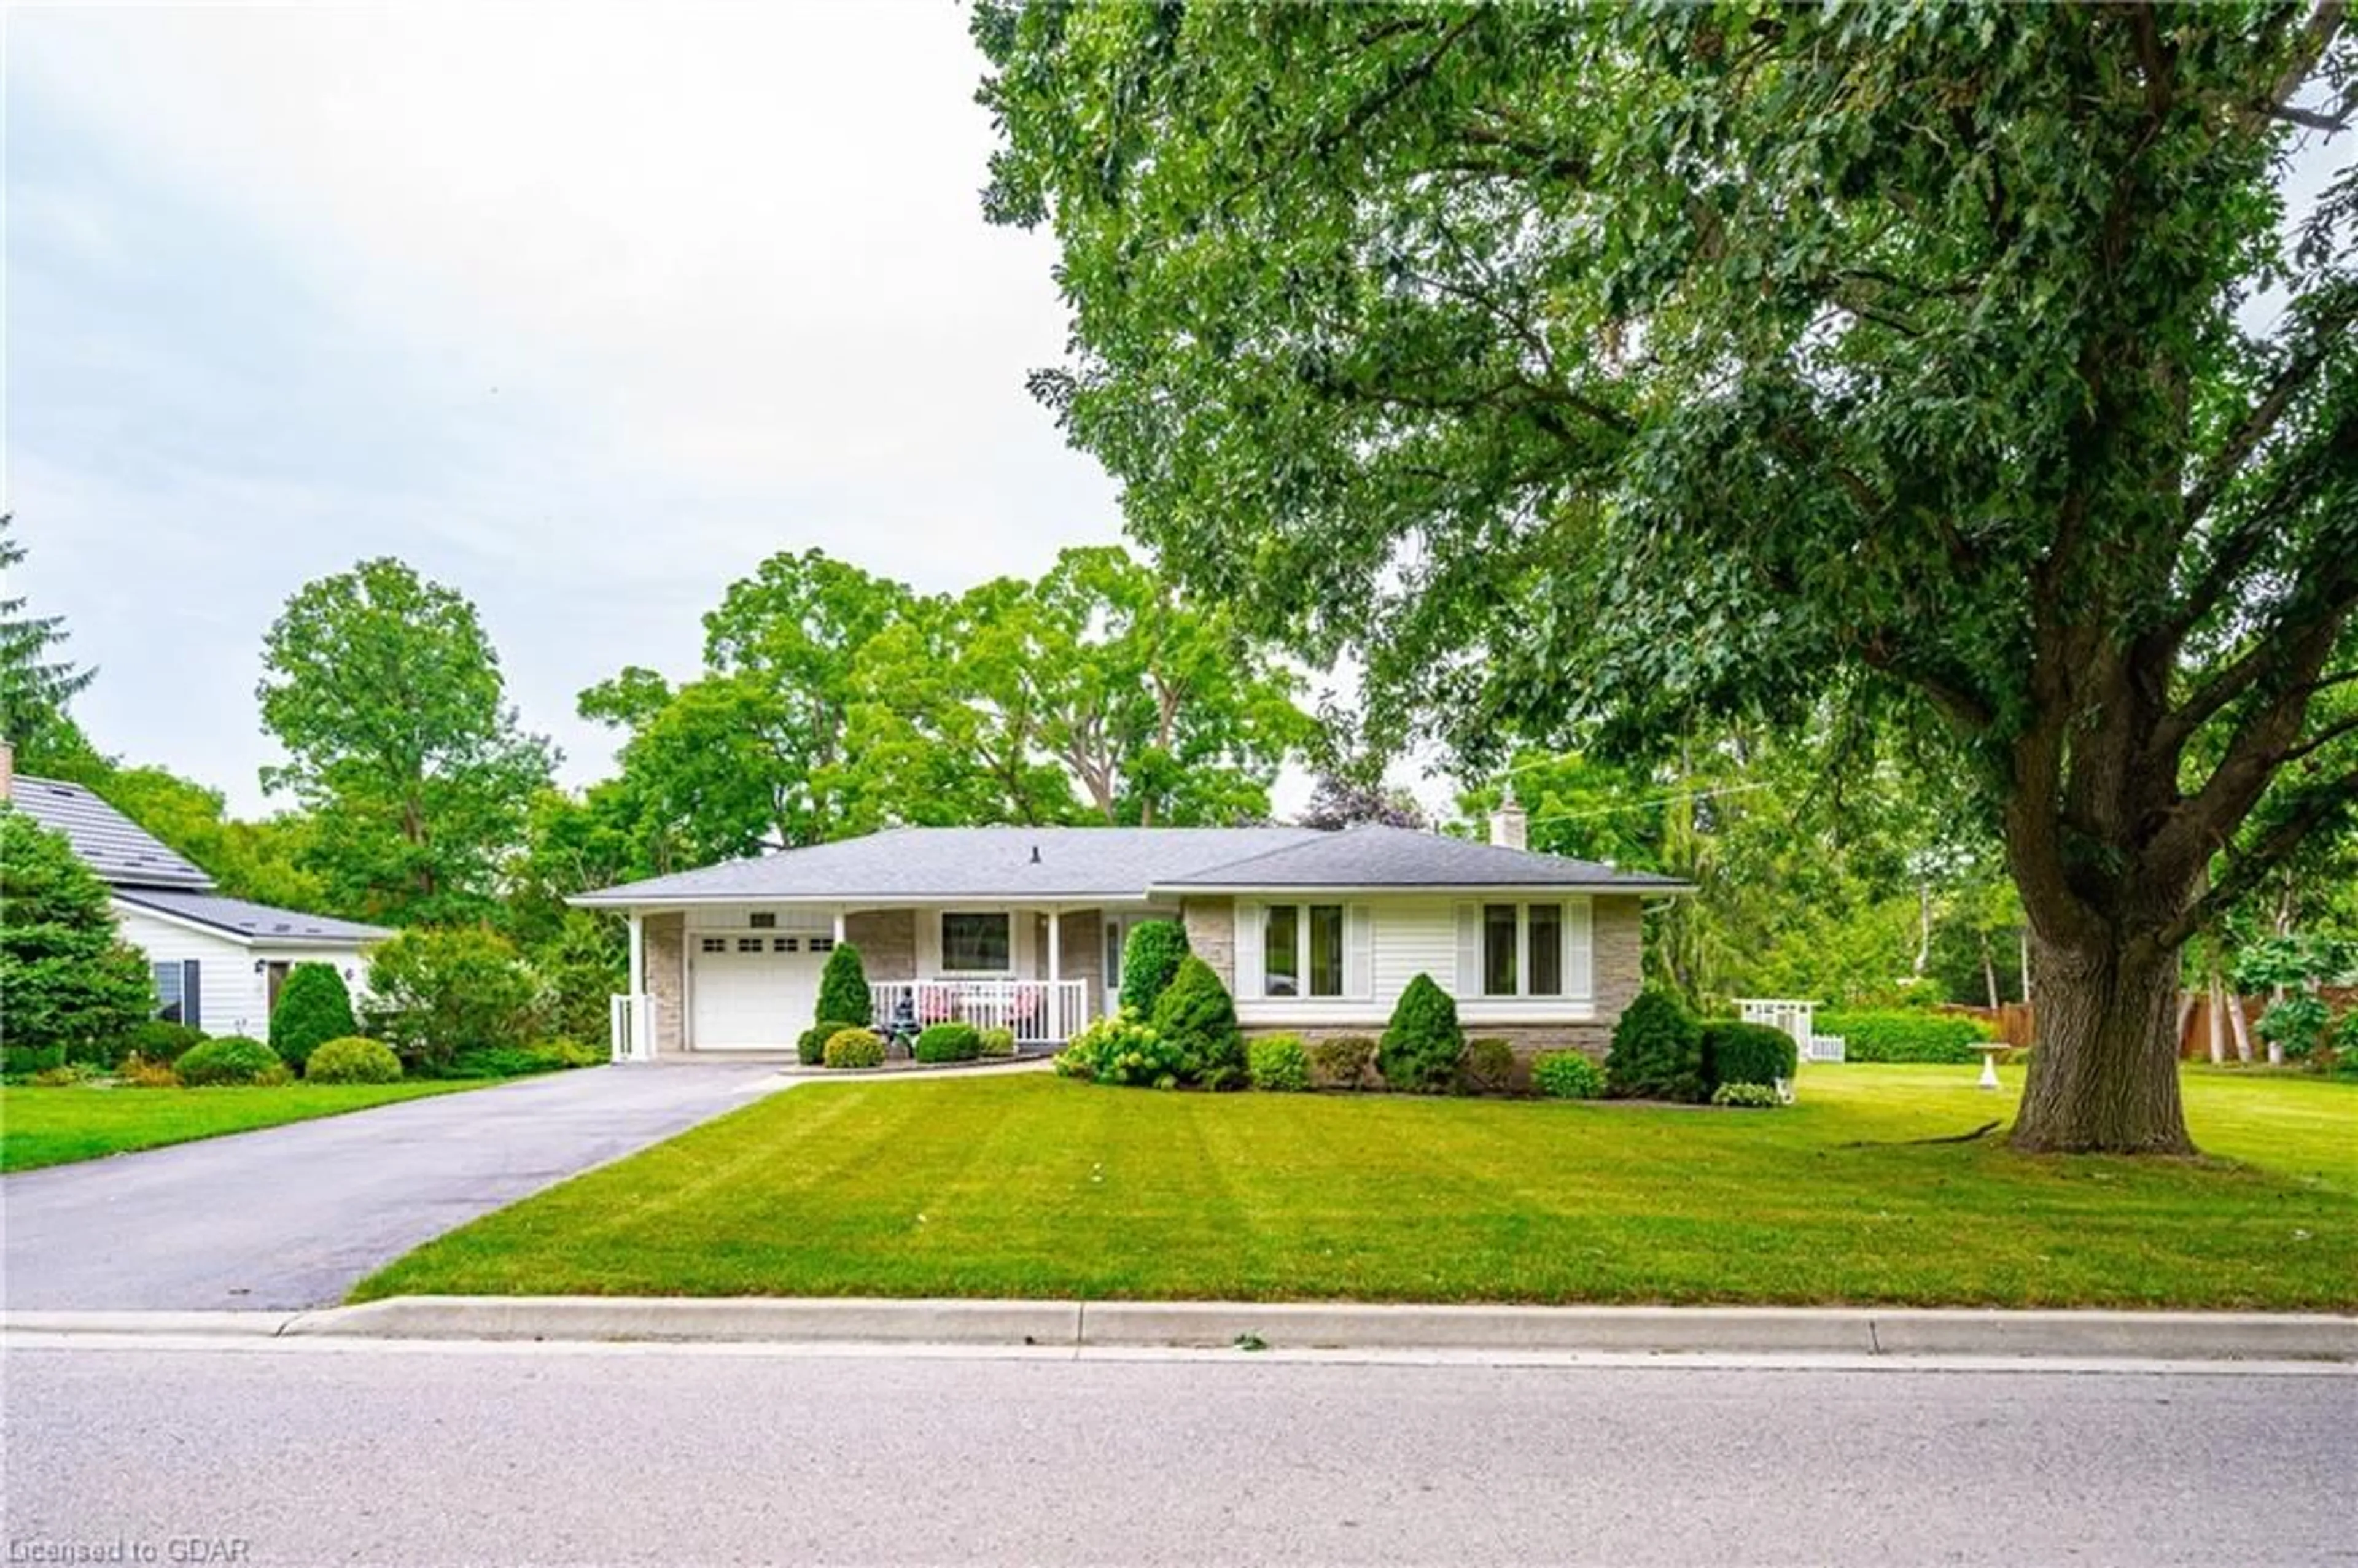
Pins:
x: 1314, y: 931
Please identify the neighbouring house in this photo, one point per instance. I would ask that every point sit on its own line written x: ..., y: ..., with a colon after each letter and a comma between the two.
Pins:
x: 1314, y: 932
x: 218, y: 962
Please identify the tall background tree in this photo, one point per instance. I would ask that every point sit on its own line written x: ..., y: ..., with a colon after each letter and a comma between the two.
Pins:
x: 386, y: 694
x: 1958, y: 365
x: 36, y: 681
x: 834, y: 702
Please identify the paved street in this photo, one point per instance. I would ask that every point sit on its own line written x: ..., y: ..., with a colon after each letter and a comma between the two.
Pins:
x: 425, y: 1455
x: 291, y: 1216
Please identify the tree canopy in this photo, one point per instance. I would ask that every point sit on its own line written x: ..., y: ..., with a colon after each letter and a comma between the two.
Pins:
x: 834, y: 702
x: 36, y: 681
x: 1642, y: 368
x: 386, y: 693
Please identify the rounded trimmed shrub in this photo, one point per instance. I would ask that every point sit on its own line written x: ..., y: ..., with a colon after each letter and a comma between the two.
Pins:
x: 1342, y: 1062
x: 1566, y: 1075
x: 843, y: 987
x: 1657, y: 1051
x: 810, y: 1048
x: 1488, y: 1067
x: 1279, y: 1063
x: 1739, y: 1052
x: 1120, y: 1048
x: 1149, y: 962
x: 1748, y: 1097
x: 853, y: 1048
x: 352, y: 1059
x: 1422, y: 1047
x: 161, y: 1040
x: 998, y: 1042
x: 1198, y: 1018
x: 948, y: 1043
x: 313, y: 1009
x: 231, y: 1059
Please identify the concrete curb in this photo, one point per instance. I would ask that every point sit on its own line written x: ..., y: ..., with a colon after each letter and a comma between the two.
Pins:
x: 1285, y: 1325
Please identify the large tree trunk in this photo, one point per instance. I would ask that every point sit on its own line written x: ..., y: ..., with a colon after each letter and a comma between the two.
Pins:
x: 2104, y: 1076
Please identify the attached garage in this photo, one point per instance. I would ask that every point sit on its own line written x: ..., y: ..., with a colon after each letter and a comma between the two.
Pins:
x: 753, y: 990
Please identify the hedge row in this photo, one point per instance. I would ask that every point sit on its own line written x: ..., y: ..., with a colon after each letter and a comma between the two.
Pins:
x: 1901, y: 1035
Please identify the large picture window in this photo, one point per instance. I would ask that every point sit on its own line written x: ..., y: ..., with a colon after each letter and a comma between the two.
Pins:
x: 1302, y: 949
x: 977, y: 942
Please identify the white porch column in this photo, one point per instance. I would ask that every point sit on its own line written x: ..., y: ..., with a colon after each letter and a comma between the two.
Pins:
x: 1055, y: 1007
x: 838, y: 925
x: 641, y: 1022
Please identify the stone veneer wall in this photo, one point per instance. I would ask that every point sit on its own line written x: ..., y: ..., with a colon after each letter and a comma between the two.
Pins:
x: 1211, y: 926
x: 1080, y: 951
x: 887, y: 940
x: 663, y: 938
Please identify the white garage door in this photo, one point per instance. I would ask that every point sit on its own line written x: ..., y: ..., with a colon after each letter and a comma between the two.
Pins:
x: 751, y: 992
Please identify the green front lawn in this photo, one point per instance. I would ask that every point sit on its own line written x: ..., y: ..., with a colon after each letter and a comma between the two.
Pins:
x: 1035, y: 1186
x: 54, y: 1126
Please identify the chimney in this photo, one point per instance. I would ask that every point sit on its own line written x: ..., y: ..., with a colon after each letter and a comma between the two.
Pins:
x: 7, y: 771
x: 1511, y: 824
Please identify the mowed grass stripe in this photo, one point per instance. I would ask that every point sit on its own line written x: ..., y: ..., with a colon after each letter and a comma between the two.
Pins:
x: 1031, y: 1186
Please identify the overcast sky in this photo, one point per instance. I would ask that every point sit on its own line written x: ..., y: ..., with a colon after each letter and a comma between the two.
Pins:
x: 582, y: 311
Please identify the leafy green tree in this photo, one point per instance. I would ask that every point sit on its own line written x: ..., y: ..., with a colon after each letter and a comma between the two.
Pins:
x: 313, y: 1008
x: 434, y: 992
x: 387, y: 695
x: 1648, y: 365
x: 36, y: 684
x: 71, y: 987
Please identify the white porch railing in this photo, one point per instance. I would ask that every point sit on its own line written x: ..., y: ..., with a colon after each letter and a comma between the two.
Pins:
x: 631, y: 1027
x: 1039, y: 1011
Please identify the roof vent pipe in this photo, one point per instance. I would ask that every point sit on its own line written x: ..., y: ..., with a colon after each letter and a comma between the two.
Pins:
x: 1035, y: 854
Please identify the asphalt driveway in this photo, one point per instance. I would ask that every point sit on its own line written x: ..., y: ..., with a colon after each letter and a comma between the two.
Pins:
x: 291, y: 1216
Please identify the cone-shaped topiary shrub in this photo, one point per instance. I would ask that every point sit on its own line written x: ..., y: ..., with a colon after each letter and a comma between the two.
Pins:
x: 1422, y: 1045
x: 313, y: 1009
x: 1198, y: 1018
x: 1150, y: 961
x: 843, y: 987
x: 1657, y: 1051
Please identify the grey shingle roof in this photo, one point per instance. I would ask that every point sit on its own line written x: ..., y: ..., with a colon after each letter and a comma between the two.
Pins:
x: 1374, y: 856
x: 967, y: 862
x: 259, y: 922
x: 914, y: 864
x: 105, y: 840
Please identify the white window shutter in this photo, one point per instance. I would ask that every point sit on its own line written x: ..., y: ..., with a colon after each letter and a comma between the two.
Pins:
x: 1469, y: 951
x: 1579, y: 948
x: 1359, y: 952
x: 1248, y: 964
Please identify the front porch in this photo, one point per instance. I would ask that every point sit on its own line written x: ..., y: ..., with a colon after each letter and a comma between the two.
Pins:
x: 743, y: 978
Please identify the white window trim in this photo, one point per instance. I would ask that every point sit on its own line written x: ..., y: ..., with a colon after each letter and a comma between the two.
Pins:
x: 1302, y: 993
x: 1575, y: 952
